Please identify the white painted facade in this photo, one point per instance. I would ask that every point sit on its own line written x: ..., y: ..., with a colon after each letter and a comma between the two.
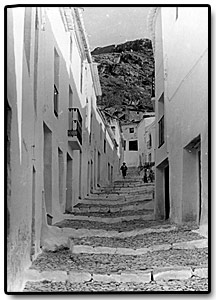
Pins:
x: 50, y: 168
x: 180, y: 40
x: 131, y: 144
x: 146, y: 137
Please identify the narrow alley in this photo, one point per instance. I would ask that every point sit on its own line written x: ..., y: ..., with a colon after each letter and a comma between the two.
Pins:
x: 107, y: 149
x: 115, y: 244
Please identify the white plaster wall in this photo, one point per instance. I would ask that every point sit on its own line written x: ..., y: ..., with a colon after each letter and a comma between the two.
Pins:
x: 185, y: 46
x: 130, y: 157
x: 160, y: 59
x: 146, y: 127
x: 27, y: 142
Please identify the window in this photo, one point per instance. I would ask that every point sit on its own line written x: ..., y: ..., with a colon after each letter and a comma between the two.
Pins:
x: 131, y: 130
x: 108, y: 171
x: 161, y: 132
x: 56, y: 83
x: 56, y: 101
x: 124, y: 145
x: 133, y: 145
x: 104, y: 146
x: 149, y: 144
x: 113, y: 129
x: 161, y: 106
x: 70, y: 97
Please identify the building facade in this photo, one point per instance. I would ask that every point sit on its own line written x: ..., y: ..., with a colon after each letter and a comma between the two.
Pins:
x: 146, y: 137
x: 59, y: 146
x: 180, y: 42
x: 131, y: 143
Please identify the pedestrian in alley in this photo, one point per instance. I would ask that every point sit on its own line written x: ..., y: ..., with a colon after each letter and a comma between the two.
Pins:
x: 145, y: 177
x: 124, y: 170
x: 151, y: 175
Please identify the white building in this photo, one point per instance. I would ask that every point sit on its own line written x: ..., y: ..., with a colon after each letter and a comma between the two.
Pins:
x: 131, y: 143
x: 58, y: 145
x: 180, y: 42
x: 146, y: 137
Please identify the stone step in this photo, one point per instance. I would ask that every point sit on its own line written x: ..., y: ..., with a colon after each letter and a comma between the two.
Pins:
x: 162, y: 264
x: 123, y: 191
x: 113, y: 194
x: 116, y: 200
x: 152, y: 241
x: 127, y: 184
x: 77, y: 249
x: 113, y: 215
x: 105, y: 208
x: 111, y: 220
x: 80, y: 233
x: 120, y: 196
x: 161, y: 280
x: 127, y: 226
x: 127, y: 180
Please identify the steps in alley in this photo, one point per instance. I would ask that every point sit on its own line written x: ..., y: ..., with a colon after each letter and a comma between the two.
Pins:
x: 115, y: 244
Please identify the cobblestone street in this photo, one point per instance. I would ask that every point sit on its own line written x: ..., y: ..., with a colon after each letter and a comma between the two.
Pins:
x: 115, y: 244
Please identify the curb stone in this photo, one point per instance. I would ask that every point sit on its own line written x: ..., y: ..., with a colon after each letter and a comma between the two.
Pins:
x: 200, y: 272
x: 79, y: 276
x: 111, y: 220
x: 120, y: 250
x: 166, y: 274
x: 34, y: 275
x: 137, y: 277
x: 79, y: 233
x: 203, y: 243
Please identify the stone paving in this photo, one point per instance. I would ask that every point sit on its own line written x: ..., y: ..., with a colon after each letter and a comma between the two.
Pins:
x: 191, y: 285
x: 140, y: 240
x: 138, y: 255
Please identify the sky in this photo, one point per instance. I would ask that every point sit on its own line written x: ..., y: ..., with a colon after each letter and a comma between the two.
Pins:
x: 114, y: 25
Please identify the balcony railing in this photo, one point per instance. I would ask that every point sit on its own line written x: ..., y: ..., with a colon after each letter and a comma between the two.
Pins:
x: 75, y: 124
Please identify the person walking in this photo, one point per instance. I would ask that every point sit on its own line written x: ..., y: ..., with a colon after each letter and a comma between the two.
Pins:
x: 124, y: 170
x: 151, y: 175
x: 145, y: 177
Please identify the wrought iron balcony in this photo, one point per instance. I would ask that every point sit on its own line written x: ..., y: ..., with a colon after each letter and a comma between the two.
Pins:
x: 75, y: 128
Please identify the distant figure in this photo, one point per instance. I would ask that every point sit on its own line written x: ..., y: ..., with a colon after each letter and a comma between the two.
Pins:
x: 124, y: 170
x: 145, y: 177
x: 151, y: 175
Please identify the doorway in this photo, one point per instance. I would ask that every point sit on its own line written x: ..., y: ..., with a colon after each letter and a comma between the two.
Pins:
x: 88, y: 179
x: 95, y: 170
x: 192, y: 185
x: 68, y: 206
x: 98, y: 169
x: 166, y: 192
x: 111, y: 174
x: 80, y: 175
x: 200, y: 184
x: 61, y: 175
x: 9, y: 120
x: 32, y: 253
x: 92, y: 177
x: 47, y: 159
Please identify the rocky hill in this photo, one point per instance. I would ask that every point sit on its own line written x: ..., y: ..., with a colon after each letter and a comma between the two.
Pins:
x: 126, y: 75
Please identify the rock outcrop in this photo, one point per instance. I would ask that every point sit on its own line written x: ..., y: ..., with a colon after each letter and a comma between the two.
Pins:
x: 126, y: 74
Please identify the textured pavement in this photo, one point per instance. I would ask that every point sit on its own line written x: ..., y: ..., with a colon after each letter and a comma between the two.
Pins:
x: 136, y: 255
